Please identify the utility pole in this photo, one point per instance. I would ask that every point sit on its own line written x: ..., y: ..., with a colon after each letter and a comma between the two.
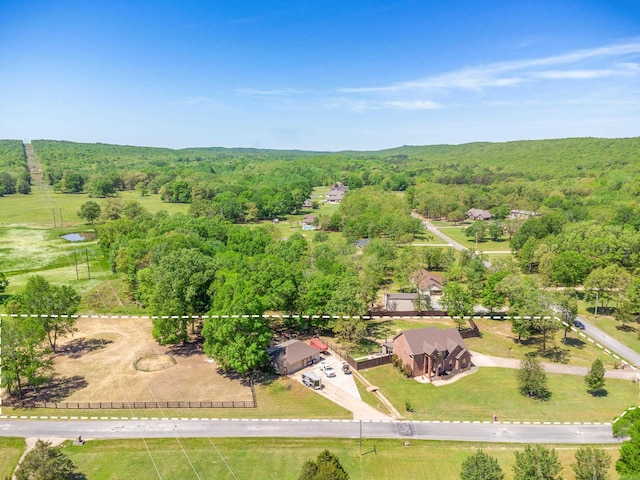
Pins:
x: 53, y: 211
x: 86, y: 254
x: 75, y: 260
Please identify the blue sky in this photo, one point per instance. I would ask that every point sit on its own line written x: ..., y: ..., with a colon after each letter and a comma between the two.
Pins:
x: 318, y: 75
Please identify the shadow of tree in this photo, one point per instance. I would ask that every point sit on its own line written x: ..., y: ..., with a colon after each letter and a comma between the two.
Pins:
x: 80, y: 346
x: 574, y: 342
x: 625, y: 328
x: 601, y: 392
x: 56, y: 390
x: 194, y: 347
x: 556, y: 354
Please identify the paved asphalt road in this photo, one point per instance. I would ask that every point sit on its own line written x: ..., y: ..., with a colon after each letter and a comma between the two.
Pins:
x: 611, y: 343
x: 406, y: 431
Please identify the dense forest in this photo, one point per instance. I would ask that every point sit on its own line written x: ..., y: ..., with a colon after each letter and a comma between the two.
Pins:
x: 14, y: 173
x: 582, y: 229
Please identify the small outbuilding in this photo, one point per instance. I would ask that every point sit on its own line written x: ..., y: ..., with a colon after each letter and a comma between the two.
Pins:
x: 293, y: 355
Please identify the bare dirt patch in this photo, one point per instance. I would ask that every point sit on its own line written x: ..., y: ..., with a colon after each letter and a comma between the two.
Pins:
x: 101, y: 358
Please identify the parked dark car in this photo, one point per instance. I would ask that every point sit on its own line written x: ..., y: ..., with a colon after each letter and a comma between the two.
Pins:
x: 579, y: 324
x: 346, y: 369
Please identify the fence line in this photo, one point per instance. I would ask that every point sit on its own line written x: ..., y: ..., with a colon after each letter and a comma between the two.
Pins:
x: 136, y: 405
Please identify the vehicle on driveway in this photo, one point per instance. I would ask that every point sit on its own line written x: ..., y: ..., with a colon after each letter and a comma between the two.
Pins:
x: 327, y: 370
x: 312, y: 380
x: 579, y: 324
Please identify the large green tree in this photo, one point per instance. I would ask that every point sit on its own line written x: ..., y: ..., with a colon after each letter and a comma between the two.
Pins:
x: 45, y: 462
x: 237, y: 343
x: 55, y: 305
x: 537, y: 463
x: 595, y: 377
x: 326, y: 467
x: 24, y: 358
x: 481, y: 466
x: 628, y: 465
x: 533, y: 379
x: 90, y: 211
x: 457, y: 300
x: 592, y: 463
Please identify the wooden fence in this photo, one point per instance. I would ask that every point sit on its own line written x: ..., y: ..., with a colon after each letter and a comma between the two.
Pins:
x: 369, y: 363
x: 136, y: 405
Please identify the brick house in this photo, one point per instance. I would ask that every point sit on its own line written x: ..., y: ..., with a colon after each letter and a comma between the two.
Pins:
x: 432, y: 351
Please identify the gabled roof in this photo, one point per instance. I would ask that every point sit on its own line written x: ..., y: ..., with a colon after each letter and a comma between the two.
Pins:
x: 294, y: 351
x: 425, y: 280
x: 476, y: 213
x: 430, y: 340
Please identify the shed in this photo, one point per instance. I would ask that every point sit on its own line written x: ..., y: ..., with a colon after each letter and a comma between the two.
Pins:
x: 293, y: 355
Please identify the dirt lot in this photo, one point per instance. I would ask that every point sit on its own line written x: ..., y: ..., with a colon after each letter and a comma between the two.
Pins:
x: 99, y: 364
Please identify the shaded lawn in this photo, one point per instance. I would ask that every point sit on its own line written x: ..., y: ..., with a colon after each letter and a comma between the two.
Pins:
x: 282, y: 458
x: 494, y: 391
x: 498, y: 340
x: 10, y: 452
x: 277, y: 398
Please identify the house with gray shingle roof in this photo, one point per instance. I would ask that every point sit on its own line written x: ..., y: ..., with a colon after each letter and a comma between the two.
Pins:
x: 432, y: 352
x: 293, y: 355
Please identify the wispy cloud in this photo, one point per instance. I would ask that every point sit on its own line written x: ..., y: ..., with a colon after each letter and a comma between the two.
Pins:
x: 412, y: 105
x: 505, y: 74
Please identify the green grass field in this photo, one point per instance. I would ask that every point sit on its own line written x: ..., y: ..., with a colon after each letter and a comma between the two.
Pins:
x: 10, y: 451
x: 36, y: 209
x: 609, y: 325
x: 457, y: 234
x: 495, y: 392
x: 282, y: 458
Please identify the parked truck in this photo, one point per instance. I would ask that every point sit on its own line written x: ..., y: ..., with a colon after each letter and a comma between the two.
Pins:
x: 312, y: 380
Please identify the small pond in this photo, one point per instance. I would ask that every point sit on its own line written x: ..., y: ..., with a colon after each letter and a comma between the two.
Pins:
x: 78, y: 237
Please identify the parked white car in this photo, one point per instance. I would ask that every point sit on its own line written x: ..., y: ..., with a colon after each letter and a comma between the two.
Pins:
x: 327, y: 370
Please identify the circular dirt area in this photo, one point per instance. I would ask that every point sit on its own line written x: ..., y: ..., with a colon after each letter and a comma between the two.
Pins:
x: 152, y: 363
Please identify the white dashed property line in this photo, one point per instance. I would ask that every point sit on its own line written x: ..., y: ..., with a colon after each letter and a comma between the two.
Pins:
x: 45, y: 417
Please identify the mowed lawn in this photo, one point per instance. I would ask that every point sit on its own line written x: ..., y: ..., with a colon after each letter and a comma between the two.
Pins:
x: 457, y: 234
x: 494, y: 391
x: 630, y: 336
x: 10, y: 451
x: 36, y: 208
x: 282, y: 458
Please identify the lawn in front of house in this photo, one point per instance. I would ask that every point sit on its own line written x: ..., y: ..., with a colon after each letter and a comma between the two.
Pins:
x: 282, y: 458
x: 457, y: 234
x: 497, y: 340
x: 494, y: 391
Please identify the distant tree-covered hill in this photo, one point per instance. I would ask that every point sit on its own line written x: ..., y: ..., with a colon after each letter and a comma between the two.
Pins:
x: 14, y: 173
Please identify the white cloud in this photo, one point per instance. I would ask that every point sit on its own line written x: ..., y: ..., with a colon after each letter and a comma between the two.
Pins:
x: 504, y: 74
x: 412, y: 105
